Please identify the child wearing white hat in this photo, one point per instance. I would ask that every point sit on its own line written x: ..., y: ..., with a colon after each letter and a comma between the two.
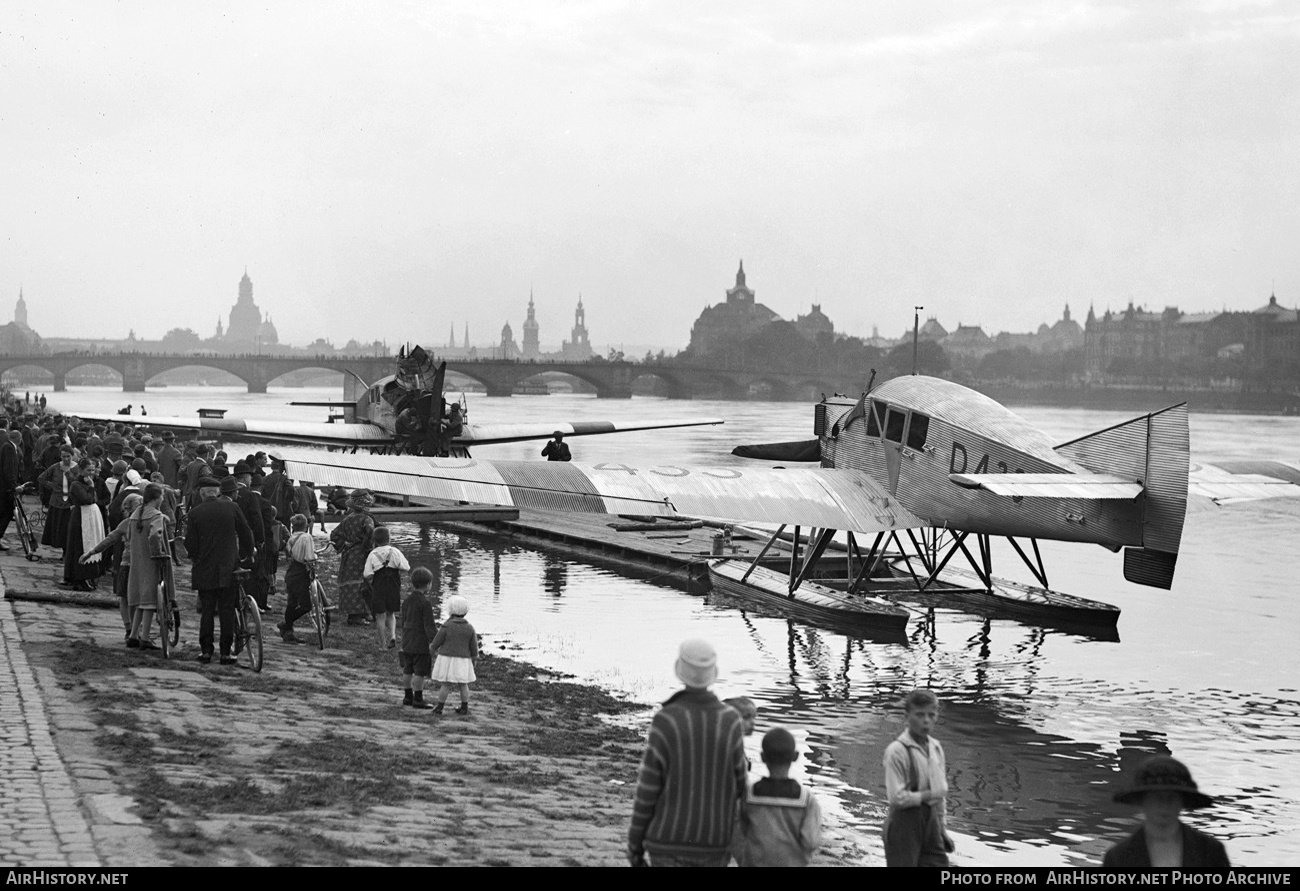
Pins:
x: 456, y: 650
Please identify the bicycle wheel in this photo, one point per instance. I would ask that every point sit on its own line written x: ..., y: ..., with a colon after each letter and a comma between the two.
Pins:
x: 25, y: 534
x: 253, y: 629
x: 163, y: 616
x: 319, y: 618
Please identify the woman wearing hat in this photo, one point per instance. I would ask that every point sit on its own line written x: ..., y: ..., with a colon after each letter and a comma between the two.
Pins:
x: 351, y: 538
x: 1163, y: 789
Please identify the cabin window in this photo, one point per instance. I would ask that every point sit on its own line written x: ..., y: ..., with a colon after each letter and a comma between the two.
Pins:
x: 873, y: 422
x: 917, y: 430
x: 894, y: 425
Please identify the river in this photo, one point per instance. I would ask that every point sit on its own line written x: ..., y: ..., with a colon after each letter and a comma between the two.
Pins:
x: 1040, y: 726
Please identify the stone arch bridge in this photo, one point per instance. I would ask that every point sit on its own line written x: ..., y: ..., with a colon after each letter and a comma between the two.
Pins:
x: 498, y: 376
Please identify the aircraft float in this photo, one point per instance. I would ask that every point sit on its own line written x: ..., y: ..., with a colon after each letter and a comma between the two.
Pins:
x: 403, y: 412
x: 943, y: 465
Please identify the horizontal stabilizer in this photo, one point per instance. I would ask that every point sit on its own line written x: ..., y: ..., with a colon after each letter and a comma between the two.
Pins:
x: 1051, y: 485
x: 803, y: 450
x: 821, y: 497
x: 1229, y: 481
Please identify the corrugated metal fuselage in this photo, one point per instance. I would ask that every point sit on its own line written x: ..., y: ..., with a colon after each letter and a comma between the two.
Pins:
x: 918, y: 430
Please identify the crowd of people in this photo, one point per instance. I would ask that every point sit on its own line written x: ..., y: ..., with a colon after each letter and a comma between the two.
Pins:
x: 123, y: 503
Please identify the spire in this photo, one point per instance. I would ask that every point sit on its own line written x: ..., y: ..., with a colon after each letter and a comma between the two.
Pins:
x: 740, y: 274
x: 451, y: 338
x: 467, y: 335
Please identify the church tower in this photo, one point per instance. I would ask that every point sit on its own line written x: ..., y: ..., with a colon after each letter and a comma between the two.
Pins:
x: 245, y: 318
x: 579, y: 347
x: 532, y: 346
x: 20, y: 312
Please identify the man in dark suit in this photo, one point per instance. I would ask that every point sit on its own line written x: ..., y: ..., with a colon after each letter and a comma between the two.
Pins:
x: 10, y: 469
x: 256, y: 512
x: 218, y: 538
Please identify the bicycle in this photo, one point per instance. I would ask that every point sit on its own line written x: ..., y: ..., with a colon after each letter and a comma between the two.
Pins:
x: 36, y: 516
x: 320, y: 608
x: 26, y: 534
x: 248, y: 622
x: 168, y: 613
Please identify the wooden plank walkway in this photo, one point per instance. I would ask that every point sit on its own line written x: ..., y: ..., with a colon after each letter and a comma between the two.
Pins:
x: 683, y: 552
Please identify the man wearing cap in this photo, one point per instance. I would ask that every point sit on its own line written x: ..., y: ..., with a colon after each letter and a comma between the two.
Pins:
x: 217, y: 538
x: 169, y: 460
x: 693, y: 772
x: 257, y: 513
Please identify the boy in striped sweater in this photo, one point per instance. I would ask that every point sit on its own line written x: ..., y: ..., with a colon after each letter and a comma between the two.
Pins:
x: 693, y: 772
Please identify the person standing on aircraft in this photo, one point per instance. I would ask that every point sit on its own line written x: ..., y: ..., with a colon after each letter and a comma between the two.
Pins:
x: 916, y: 786
x: 352, y: 539
x: 557, y: 449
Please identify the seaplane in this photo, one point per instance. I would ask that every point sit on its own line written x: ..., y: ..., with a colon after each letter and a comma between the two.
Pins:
x: 917, y: 461
x: 405, y: 412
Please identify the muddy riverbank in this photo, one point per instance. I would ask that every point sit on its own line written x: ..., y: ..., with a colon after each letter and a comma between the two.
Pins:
x: 314, y: 761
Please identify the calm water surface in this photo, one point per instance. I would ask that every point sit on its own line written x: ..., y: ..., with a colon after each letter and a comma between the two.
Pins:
x: 1039, y: 725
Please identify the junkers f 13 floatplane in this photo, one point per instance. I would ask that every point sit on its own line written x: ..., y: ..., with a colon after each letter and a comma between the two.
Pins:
x: 403, y: 412
x: 945, y: 466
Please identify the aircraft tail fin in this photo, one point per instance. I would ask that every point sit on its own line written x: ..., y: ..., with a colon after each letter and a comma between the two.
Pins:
x: 1153, y: 449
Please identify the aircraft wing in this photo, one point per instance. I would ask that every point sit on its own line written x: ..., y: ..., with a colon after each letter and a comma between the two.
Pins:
x: 486, y: 434
x: 259, y: 430
x: 1051, y: 485
x: 340, y: 434
x: 817, y: 497
x: 1226, y: 482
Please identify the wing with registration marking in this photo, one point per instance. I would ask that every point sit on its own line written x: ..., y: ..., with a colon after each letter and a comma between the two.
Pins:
x: 1226, y: 482
x: 818, y: 497
x: 487, y: 434
x: 259, y: 430
x: 1100, y: 486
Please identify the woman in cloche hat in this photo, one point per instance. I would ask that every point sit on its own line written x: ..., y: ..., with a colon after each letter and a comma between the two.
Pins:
x: 1163, y: 789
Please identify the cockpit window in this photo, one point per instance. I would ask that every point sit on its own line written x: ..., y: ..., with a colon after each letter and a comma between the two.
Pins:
x: 917, y: 430
x: 873, y: 422
x: 894, y: 425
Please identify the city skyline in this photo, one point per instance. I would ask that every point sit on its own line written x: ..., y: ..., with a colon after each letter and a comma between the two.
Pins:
x: 402, y: 167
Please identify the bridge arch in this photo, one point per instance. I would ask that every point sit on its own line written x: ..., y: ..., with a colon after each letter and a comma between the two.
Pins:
x: 663, y: 381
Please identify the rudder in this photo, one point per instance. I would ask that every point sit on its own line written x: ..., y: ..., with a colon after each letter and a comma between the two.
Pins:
x: 1154, y: 449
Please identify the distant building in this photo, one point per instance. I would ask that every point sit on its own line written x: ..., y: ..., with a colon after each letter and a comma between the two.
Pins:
x: 532, y: 345
x: 1273, y: 339
x: 1066, y: 334
x: 815, y: 324
x: 579, y: 348
x: 739, y: 316
x: 247, y: 329
x: 508, y: 348
x: 969, y: 341
x: 17, y: 338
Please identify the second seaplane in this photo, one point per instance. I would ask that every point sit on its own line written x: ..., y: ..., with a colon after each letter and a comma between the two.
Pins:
x: 405, y: 412
x: 932, y: 469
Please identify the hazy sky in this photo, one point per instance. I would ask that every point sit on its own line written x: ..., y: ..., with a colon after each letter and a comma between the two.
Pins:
x: 387, y: 170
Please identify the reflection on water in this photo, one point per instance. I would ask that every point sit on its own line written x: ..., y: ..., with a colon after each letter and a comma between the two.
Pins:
x: 1040, y: 726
